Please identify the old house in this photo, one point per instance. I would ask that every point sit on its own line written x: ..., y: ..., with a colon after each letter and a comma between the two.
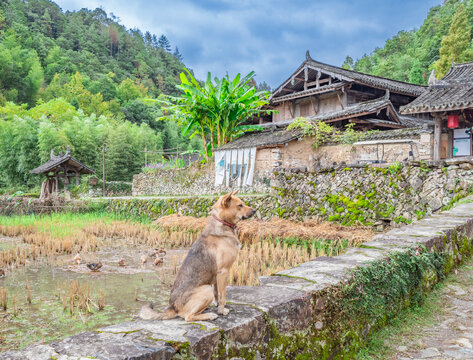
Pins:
x: 337, y: 96
x: 450, y: 102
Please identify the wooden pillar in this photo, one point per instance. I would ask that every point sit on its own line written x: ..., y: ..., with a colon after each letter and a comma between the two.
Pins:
x: 306, y: 77
x: 450, y: 144
x: 437, y: 137
x: 77, y: 178
x: 57, y: 182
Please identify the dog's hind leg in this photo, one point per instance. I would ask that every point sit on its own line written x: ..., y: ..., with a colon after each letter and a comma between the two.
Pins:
x: 201, y: 298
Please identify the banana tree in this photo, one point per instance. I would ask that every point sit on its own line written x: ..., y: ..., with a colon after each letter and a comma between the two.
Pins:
x: 216, y: 109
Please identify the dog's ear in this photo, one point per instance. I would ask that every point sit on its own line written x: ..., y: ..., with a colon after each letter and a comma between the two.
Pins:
x: 234, y: 192
x: 226, y: 199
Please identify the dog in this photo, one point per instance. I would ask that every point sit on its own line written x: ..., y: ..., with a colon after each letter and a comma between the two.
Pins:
x: 203, y: 275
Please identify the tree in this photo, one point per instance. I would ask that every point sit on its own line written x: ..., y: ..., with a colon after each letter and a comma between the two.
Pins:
x: 164, y: 43
x: 217, y: 110
x: 416, y: 75
x: 348, y: 63
x: 128, y: 91
x: 177, y: 54
x: 456, y: 45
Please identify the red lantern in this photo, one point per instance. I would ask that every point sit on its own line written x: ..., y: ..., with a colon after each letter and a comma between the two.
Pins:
x: 452, y: 121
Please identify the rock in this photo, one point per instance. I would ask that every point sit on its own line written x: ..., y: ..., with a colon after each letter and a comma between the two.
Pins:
x: 464, y: 342
x: 466, y: 166
x: 401, y: 348
x: 319, y: 325
x: 458, y: 290
x: 429, y: 353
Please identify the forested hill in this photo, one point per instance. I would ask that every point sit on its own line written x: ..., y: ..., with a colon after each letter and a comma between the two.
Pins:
x: 43, y: 40
x: 411, y: 55
x: 80, y: 79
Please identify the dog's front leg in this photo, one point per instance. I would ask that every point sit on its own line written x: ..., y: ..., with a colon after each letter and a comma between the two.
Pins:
x: 222, y: 279
x: 215, y: 302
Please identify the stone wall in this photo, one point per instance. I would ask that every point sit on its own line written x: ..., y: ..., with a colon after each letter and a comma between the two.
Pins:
x: 193, y: 181
x: 191, y: 206
x: 323, y: 309
x: 23, y: 205
x: 372, y: 194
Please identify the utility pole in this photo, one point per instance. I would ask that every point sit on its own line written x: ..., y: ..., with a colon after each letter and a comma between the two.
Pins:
x: 103, y: 170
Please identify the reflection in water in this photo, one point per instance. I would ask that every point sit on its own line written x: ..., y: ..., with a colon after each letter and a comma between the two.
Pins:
x: 45, y: 319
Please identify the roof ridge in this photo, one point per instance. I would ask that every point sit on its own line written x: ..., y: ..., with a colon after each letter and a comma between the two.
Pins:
x: 310, y: 59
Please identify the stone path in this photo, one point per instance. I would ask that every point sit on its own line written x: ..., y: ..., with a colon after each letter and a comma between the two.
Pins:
x: 451, y: 337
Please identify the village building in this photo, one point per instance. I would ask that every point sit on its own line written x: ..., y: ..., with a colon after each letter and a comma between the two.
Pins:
x: 337, y: 96
x: 61, y: 167
x: 450, y: 102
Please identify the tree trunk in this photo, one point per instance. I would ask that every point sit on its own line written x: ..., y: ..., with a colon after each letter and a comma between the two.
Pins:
x: 205, y: 144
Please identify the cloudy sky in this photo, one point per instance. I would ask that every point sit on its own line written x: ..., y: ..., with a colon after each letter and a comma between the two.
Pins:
x: 267, y: 36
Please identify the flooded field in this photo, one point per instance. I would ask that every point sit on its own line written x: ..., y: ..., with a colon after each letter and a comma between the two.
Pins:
x: 49, y: 291
x: 55, y: 298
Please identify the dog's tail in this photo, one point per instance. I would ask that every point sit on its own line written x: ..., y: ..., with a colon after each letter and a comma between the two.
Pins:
x: 147, y: 313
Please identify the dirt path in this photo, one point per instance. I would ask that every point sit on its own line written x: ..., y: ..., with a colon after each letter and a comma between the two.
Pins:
x: 450, y: 336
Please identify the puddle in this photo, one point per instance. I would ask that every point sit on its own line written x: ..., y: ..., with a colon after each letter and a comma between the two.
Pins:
x: 45, y: 319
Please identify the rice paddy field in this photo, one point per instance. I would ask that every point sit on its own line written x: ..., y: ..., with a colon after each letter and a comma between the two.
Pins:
x: 48, y: 290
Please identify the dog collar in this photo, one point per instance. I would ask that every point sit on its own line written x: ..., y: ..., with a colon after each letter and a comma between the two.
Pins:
x: 232, y: 226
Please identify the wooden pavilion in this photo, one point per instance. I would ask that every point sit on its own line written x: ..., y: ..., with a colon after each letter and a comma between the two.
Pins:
x: 450, y: 102
x: 62, y: 166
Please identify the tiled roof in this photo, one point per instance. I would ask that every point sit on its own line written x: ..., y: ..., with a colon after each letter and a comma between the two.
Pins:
x: 367, y: 79
x: 453, y: 92
x: 262, y: 138
x: 365, y: 107
x: 58, y: 160
x: 345, y: 76
x: 313, y: 91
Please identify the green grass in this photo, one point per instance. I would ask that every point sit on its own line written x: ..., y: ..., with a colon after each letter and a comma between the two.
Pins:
x: 65, y: 224
x: 329, y: 247
x: 409, y: 325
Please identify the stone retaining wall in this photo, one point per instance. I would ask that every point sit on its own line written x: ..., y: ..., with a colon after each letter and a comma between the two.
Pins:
x: 191, y: 206
x: 322, y: 309
x: 372, y: 194
x: 23, y: 206
x: 191, y: 181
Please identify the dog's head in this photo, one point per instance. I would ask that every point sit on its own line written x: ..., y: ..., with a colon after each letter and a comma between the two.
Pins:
x: 231, y: 209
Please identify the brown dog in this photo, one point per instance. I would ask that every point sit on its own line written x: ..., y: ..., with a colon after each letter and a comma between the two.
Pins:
x: 203, y: 275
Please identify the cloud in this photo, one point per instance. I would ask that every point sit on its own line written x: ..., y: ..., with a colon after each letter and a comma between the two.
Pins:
x: 268, y: 36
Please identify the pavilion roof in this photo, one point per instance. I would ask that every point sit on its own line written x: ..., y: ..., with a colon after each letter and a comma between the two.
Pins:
x: 59, y: 160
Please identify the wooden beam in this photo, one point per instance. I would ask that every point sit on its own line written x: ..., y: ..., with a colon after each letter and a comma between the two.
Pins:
x: 437, y: 136
x: 340, y: 101
x: 320, y: 82
x: 290, y: 90
x: 291, y: 109
x: 315, y: 104
x: 306, y: 77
